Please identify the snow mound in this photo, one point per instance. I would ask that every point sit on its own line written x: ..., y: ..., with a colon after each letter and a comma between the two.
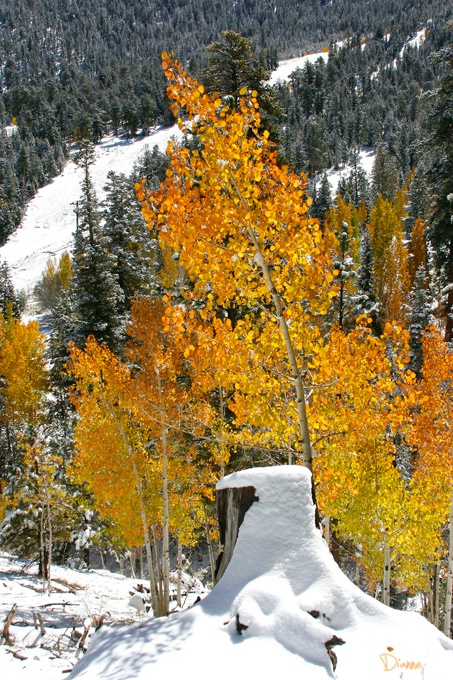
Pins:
x: 279, y: 609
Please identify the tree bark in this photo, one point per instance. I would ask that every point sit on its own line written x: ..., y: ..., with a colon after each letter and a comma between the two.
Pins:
x: 232, y: 504
x: 387, y: 565
x: 155, y: 600
x: 166, y: 528
x: 449, y: 589
x: 300, y: 388
x: 178, y: 587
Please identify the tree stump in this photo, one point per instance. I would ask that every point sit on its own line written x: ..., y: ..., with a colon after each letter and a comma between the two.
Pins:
x: 232, y: 504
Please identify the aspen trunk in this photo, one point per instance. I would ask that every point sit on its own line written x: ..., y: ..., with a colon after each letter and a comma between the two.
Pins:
x: 435, y: 597
x: 300, y: 388
x: 42, y: 549
x: 211, y: 554
x: 387, y: 565
x: 297, y: 376
x: 166, y: 528
x: 141, y: 503
x: 326, y: 522
x: 49, y: 541
x: 157, y: 571
x: 178, y: 591
x: 449, y: 590
x: 222, y: 420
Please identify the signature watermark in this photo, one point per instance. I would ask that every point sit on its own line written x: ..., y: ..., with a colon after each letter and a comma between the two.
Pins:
x: 391, y: 662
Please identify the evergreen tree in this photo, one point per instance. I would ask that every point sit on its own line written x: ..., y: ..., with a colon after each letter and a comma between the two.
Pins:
x: 419, y: 318
x: 385, y: 175
x: 232, y: 66
x: 11, y: 303
x: 151, y: 166
x: 322, y: 199
x: 129, y: 240
x: 97, y: 295
x: 358, y: 184
x: 366, y: 298
x: 441, y: 177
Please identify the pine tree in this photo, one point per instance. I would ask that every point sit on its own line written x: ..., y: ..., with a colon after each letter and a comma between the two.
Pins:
x: 97, y: 295
x: 150, y: 166
x: 366, y: 298
x: 385, y: 174
x: 419, y: 317
x: 359, y: 188
x: 233, y: 66
x: 11, y: 303
x: 322, y: 199
x: 129, y: 240
x: 341, y: 226
x: 441, y: 179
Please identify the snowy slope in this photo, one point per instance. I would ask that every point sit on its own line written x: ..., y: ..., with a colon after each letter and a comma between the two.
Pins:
x: 290, y: 598
x: 49, y: 223
x: 287, y: 67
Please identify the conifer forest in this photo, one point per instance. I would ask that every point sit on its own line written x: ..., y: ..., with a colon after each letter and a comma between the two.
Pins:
x: 224, y: 307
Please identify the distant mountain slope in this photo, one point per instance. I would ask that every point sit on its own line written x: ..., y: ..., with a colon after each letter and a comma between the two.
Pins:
x: 49, y: 223
x: 71, y: 69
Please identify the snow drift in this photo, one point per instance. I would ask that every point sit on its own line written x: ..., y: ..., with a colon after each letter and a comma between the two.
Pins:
x: 275, y: 612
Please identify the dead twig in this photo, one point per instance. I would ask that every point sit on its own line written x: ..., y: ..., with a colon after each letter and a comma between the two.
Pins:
x: 37, y: 619
x: 17, y: 655
x: 8, y: 621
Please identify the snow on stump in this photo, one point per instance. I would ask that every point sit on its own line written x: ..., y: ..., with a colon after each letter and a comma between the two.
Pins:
x: 281, y: 607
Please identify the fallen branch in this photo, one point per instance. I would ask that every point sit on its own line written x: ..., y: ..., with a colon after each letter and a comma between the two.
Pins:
x: 17, y: 655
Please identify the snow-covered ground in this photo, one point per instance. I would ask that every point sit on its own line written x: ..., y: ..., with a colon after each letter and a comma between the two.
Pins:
x: 282, y: 609
x: 366, y: 160
x: 76, y: 604
x: 285, y: 68
x: 49, y: 223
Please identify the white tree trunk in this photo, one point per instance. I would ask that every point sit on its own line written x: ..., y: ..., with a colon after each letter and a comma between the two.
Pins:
x: 49, y: 541
x: 449, y: 590
x: 141, y: 503
x: 166, y: 528
x: 326, y: 522
x: 300, y: 388
x: 178, y: 592
x: 387, y: 566
x: 211, y: 553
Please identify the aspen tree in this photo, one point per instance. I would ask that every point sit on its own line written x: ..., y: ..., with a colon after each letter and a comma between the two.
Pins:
x: 239, y: 224
x: 432, y: 435
x: 135, y: 441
